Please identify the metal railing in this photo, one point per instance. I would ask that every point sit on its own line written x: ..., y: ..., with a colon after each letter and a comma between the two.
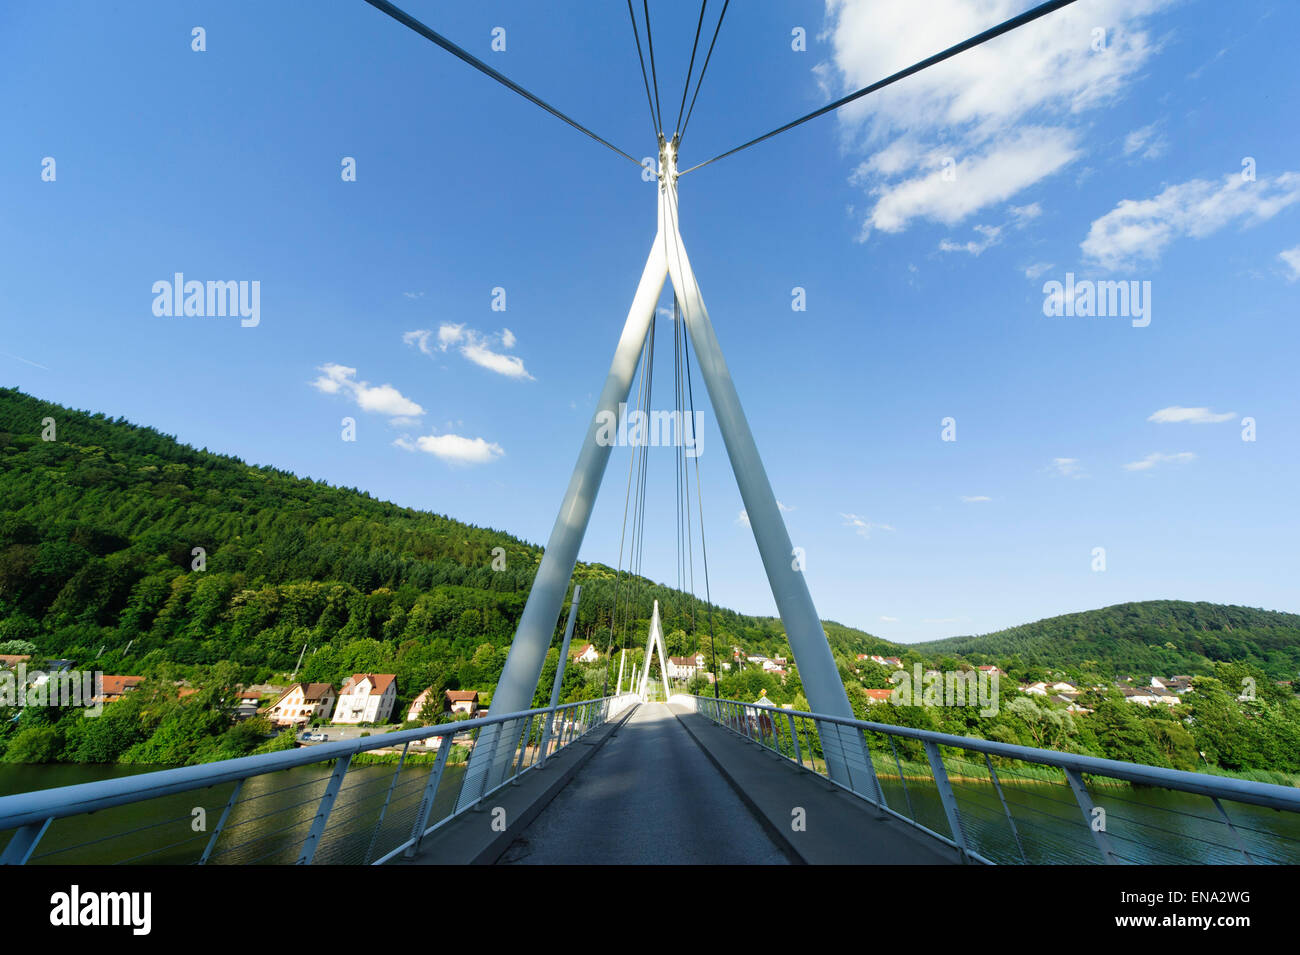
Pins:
x: 362, y: 801
x: 1001, y: 803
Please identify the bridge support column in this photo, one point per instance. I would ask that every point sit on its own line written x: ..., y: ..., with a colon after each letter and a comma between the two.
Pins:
x: 514, y: 691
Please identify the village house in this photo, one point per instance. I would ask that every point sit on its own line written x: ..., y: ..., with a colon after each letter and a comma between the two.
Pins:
x: 586, y: 654
x: 461, y: 701
x: 878, y: 696
x: 300, y: 704
x: 1149, y: 697
x: 115, y: 687
x: 366, y: 698
x: 11, y: 660
x: 246, y: 704
x: 682, y: 668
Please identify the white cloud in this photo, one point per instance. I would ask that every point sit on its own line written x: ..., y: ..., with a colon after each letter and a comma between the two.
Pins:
x: 984, y: 178
x: 1291, y: 258
x: 1151, y: 460
x: 1068, y: 467
x: 1176, y: 414
x: 420, y: 339
x: 977, y: 499
x: 1147, y: 142
x: 1138, y: 230
x: 1033, y: 272
x: 414, y: 294
x: 862, y: 526
x: 991, y: 235
x: 1007, y: 112
x: 473, y: 345
x: 379, y: 399
x: 453, y: 448
x: 889, y: 619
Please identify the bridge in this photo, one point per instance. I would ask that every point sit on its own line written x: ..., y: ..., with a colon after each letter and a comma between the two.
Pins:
x: 694, y: 780
x: 621, y: 779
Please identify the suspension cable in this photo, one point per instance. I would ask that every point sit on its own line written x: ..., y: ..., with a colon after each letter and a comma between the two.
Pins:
x: 654, y: 75
x: 686, y: 87
x: 645, y: 79
x: 699, y: 489
x: 404, y: 18
x: 700, y: 81
x: 618, y: 575
x: 1005, y: 27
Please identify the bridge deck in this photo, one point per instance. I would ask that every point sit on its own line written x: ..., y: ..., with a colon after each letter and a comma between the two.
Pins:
x: 667, y: 786
x: 650, y: 795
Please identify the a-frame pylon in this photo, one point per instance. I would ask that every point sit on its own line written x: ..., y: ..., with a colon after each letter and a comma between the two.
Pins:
x: 784, y: 567
x: 653, y: 641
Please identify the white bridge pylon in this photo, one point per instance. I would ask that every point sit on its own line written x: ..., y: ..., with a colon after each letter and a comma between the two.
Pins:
x: 653, y: 641
x: 817, y: 671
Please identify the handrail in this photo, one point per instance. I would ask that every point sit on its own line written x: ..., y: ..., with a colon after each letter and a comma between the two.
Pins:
x: 29, y: 808
x: 1269, y: 795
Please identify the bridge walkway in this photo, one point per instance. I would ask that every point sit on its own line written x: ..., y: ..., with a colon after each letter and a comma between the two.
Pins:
x: 649, y: 795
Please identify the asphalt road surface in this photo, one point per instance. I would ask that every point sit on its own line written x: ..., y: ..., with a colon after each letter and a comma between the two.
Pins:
x: 648, y: 797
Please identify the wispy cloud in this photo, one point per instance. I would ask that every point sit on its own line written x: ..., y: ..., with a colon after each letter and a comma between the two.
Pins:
x: 379, y: 399
x: 862, y: 526
x: 1139, y: 230
x: 889, y: 619
x: 1033, y: 272
x: 453, y: 448
x: 1156, y: 457
x: 1067, y: 467
x: 473, y: 345
x: 1146, y: 143
x: 1177, y: 414
x: 977, y: 499
x: 1291, y: 259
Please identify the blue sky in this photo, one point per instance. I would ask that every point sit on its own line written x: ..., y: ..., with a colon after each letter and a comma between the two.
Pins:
x: 1118, y: 160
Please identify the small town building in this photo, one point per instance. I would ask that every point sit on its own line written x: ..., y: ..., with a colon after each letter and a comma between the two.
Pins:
x: 300, y: 704
x: 366, y: 698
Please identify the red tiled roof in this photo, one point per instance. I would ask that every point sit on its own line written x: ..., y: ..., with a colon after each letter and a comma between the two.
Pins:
x: 379, y: 682
x: 117, y: 685
x: 462, y: 696
x: 879, y: 694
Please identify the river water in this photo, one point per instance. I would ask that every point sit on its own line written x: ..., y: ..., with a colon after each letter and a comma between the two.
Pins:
x: 375, y: 811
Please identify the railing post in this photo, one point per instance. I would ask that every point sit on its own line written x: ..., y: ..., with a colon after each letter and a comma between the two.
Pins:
x: 430, y: 793
x: 1005, y: 808
x: 23, y: 842
x: 523, y: 749
x: 911, y: 811
x: 794, y: 740
x: 310, y: 844
x: 1085, y: 804
x: 221, y: 823
x: 946, y: 796
x: 1236, y: 836
x: 387, y: 799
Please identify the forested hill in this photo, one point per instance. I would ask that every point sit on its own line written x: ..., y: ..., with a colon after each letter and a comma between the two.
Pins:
x: 1150, y: 637
x: 97, y: 550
